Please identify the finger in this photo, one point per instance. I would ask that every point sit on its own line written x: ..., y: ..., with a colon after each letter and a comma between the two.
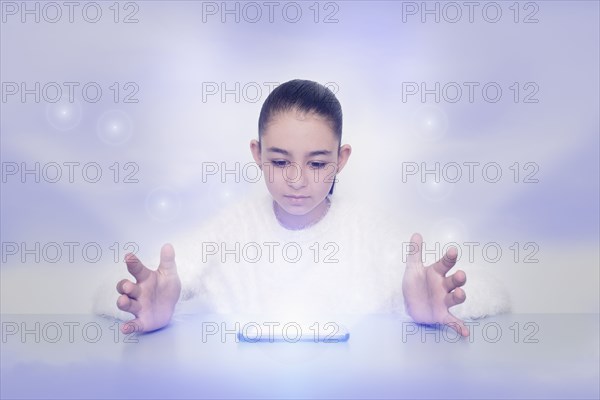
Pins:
x: 414, y: 256
x: 136, y: 268
x: 458, y: 296
x: 129, y: 288
x: 457, y: 279
x: 444, y: 264
x: 167, y: 259
x: 456, y: 324
x: 135, y: 325
x: 130, y: 305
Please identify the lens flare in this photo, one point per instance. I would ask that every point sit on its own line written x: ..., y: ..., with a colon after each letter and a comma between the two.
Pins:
x: 163, y: 204
x: 430, y: 123
x: 435, y: 191
x: 450, y: 230
x: 63, y: 115
x: 114, y: 127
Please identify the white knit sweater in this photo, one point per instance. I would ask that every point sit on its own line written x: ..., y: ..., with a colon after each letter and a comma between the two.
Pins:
x: 350, y: 262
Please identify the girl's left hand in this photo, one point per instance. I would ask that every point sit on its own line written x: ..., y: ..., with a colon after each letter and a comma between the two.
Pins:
x: 428, y: 292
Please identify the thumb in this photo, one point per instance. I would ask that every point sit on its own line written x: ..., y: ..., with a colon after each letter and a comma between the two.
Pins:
x: 414, y: 256
x: 167, y: 259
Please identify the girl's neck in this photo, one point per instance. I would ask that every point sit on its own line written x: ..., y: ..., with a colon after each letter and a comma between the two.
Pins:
x: 298, y: 222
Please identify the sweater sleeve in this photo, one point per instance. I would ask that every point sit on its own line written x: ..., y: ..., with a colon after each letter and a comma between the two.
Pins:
x: 198, y: 261
x: 486, y: 295
x: 190, y: 268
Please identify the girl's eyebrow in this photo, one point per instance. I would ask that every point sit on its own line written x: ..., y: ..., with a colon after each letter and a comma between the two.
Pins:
x: 310, y: 154
x: 319, y: 153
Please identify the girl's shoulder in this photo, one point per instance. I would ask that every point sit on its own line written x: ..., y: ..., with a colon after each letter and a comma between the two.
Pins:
x: 369, y: 216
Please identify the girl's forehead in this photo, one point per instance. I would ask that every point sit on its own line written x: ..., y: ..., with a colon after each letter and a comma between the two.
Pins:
x: 298, y: 143
x: 298, y: 134
x: 299, y: 127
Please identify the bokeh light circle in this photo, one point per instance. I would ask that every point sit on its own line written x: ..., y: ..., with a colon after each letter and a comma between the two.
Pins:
x: 114, y: 127
x: 163, y: 204
x: 430, y: 123
x: 450, y: 230
x: 435, y: 191
x: 63, y: 115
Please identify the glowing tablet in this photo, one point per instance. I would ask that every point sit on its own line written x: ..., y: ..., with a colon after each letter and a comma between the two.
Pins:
x: 293, y: 332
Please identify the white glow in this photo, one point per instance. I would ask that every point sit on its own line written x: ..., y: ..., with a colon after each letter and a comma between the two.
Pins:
x: 163, y: 204
x: 114, y: 127
x: 63, y: 115
x: 430, y: 123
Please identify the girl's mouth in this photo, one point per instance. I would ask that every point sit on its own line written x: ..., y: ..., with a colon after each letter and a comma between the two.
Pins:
x: 296, y: 199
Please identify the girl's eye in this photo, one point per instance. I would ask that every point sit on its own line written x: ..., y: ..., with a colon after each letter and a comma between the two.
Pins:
x: 317, y: 165
x: 280, y: 163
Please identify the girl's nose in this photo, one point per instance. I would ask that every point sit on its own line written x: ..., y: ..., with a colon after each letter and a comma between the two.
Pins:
x: 297, y: 177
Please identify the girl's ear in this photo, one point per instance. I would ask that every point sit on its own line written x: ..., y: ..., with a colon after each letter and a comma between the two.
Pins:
x: 255, y: 149
x: 343, y: 156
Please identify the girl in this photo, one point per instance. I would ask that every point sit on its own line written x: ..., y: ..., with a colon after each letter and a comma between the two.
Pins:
x: 299, y: 250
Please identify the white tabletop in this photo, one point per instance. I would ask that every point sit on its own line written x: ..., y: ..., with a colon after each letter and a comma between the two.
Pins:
x: 509, y: 356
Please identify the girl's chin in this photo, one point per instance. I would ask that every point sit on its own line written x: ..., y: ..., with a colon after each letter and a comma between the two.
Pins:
x: 296, y: 210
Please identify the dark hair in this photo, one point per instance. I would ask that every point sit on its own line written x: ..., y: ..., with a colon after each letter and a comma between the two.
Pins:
x: 304, y: 96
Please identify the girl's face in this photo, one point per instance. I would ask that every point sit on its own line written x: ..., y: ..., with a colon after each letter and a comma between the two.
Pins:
x: 300, y: 157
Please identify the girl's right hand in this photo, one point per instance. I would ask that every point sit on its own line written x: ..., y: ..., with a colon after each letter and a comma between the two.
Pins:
x: 153, y: 297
